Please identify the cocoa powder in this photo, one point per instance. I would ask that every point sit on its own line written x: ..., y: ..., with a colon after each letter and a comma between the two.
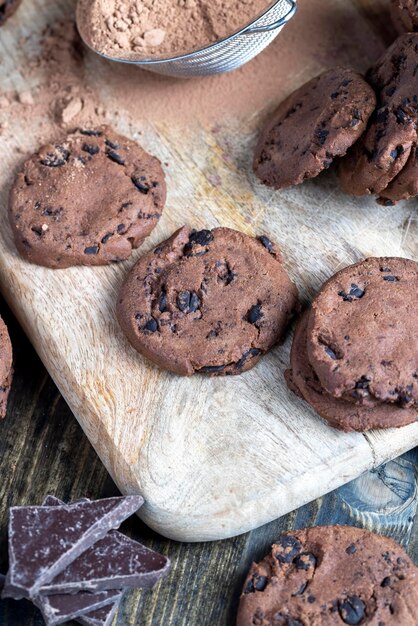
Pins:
x: 135, y: 29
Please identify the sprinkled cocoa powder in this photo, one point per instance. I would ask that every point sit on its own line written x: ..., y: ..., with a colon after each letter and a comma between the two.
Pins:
x: 156, y: 28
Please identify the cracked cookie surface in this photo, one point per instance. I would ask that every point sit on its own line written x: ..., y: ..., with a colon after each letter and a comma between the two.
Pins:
x: 86, y: 200
x: 378, y: 157
x: 6, y: 372
x: 362, y: 330
x: 209, y: 301
x: 339, y: 413
x: 331, y: 576
x: 315, y: 124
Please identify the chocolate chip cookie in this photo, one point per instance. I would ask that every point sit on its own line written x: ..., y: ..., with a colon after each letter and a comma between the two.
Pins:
x: 315, y: 124
x: 383, y: 151
x: 405, y: 15
x: 362, y: 333
x: 331, y: 575
x: 86, y: 200
x: 6, y: 372
x: 211, y: 301
x: 405, y: 184
x: 339, y: 413
x: 7, y: 8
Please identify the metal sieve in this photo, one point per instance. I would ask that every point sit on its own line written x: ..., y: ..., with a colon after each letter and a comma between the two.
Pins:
x: 226, y: 54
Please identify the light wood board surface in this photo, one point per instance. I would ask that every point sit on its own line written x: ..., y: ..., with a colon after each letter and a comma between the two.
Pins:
x: 213, y: 457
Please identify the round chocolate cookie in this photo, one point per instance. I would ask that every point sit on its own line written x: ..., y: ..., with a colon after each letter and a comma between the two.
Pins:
x: 315, y: 124
x: 361, y: 332
x: 6, y: 372
x: 339, y: 413
x: 211, y: 301
x: 405, y: 15
x: 382, y: 152
x: 86, y: 200
x: 7, y: 8
x: 331, y: 576
x: 405, y: 184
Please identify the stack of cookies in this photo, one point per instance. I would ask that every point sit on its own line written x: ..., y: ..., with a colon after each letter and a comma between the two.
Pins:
x: 385, y: 160
x: 353, y: 357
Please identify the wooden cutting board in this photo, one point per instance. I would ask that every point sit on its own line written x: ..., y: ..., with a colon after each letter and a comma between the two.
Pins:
x: 213, y: 457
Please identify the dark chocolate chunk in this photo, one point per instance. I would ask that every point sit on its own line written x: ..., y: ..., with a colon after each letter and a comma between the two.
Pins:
x: 101, y: 617
x: 187, y: 301
x: 91, y: 250
x: 291, y: 548
x: 111, y: 144
x: 151, y: 325
x: 67, y: 531
x: 267, y: 243
x: 254, y: 314
x: 211, y: 369
x: 248, y: 355
x: 114, y: 156
x: 139, y: 184
x: 57, y: 158
x: 57, y: 609
x: 90, y: 133
x: 351, y: 610
x: 351, y: 549
x: 88, y: 147
x: 391, y: 279
x: 305, y: 561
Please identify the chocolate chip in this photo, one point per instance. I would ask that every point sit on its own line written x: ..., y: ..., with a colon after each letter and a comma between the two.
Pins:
x: 382, y: 116
x: 201, y: 237
x: 351, y: 610
x: 311, y: 599
x: 384, y: 269
x: 321, y: 136
x: 211, y: 369
x: 88, y: 147
x: 269, y: 246
x: 305, y: 561
x: 397, y: 152
x: 114, y: 156
x: 139, y: 184
x: 391, y: 278
x: 121, y: 228
x: 291, y: 548
x: 261, y: 583
x: 106, y: 238
x: 246, y: 356
x: 187, y: 301
x: 351, y: 549
x: 151, y: 326
x: 330, y: 352
x: 111, y: 144
x: 254, y: 314
x: 401, y: 116
x: 162, y: 301
x: 91, y: 250
x: 91, y: 133
x: 390, y: 91
x: 385, y: 582
x: 355, y: 292
x: 57, y: 158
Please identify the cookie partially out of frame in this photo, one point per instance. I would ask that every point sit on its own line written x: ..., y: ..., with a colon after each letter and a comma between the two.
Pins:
x: 315, y: 124
x: 211, y: 301
x: 87, y: 200
x: 378, y: 157
x: 405, y: 184
x: 338, y: 412
x: 7, y: 8
x: 362, y: 330
x: 5, y: 367
x: 331, y: 576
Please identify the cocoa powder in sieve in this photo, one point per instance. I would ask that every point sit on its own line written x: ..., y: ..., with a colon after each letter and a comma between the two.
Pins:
x: 134, y: 29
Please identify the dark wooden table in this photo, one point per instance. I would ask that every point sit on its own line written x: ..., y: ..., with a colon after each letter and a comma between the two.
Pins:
x: 43, y: 450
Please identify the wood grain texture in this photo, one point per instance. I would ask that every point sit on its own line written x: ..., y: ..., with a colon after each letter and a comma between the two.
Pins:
x: 212, y: 457
x: 43, y: 450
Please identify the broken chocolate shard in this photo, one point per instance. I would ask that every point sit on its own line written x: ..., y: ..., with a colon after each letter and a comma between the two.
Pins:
x: 62, y: 608
x: 44, y: 540
x: 114, y: 562
x: 101, y: 617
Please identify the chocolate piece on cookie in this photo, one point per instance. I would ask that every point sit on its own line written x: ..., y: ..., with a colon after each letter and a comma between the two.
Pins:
x: 331, y: 575
x: 405, y: 15
x: 339, y: 413
x: 405, y: 184
x: 6, y: 369
x: 362, y: 330
x: 383, y: 151
x: 211, y: 301
x: 315, y: 124
x: 86, y: 200
x: 7, y: 8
